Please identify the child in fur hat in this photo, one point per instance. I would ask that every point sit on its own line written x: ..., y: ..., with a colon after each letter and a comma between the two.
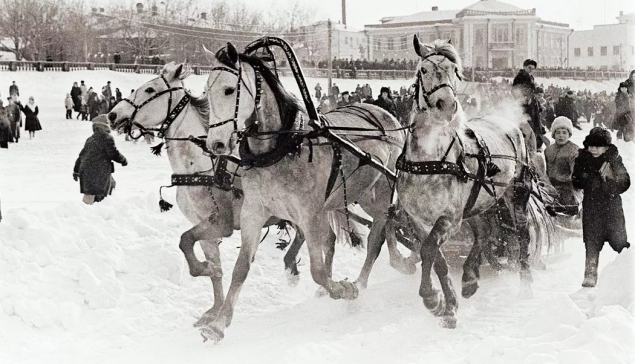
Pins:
x: 560, y: 157
x: 599, y: 171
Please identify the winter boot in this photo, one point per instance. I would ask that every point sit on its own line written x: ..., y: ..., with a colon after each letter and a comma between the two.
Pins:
x: 591, y: 268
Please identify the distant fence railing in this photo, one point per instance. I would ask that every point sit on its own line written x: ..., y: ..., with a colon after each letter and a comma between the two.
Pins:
x: 308, y: 72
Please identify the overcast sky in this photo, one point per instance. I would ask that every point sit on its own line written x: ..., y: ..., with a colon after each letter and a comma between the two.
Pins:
x: 579, y: 14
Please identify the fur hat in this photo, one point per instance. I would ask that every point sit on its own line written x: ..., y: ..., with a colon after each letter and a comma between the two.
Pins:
x: 384, y: 89
x: 101, y: 122
x: 530, y: 62
x: 598, y: 137
x: 561, y: 122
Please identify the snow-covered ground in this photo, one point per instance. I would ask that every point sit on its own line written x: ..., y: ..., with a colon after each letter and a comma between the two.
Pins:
x: 108, y: 284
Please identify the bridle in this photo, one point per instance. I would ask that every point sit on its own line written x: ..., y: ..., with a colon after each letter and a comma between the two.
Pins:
x: 256, y: 95
x: 426, y: 94
x: 170, y: 115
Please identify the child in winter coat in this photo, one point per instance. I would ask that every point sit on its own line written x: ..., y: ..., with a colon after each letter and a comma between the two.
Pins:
x: 560, y: 157
x: 599, y: 171
x: 68, y: 102
x: 83, y: 110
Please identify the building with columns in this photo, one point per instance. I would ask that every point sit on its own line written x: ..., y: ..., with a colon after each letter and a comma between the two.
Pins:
x: 488, y: 34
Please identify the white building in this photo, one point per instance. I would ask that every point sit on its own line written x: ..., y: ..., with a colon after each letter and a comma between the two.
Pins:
x: 346, y: 42
x: 488, y: 34
x: 607, y: 47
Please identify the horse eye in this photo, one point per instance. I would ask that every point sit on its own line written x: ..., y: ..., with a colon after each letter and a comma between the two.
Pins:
x: 229, y: 91
x: 424, y: 71
x: 149, y: 90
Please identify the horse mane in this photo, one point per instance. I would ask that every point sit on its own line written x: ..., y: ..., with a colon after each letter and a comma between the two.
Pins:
x: 200, y: 103
x: 288, y: 104
x: 447, y: 50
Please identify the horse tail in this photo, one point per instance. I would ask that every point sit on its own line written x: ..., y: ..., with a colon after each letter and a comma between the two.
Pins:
x: 349, y: 231
x: 541, y: 225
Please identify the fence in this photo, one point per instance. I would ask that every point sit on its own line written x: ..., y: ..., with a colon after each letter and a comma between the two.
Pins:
x: 308, y: 72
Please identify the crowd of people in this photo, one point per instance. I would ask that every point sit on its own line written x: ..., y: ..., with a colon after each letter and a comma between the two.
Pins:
x: 11, y: 117
x: 87, y: 103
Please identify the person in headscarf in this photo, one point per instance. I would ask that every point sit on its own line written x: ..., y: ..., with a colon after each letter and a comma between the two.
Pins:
x: 31, y: 111
x: 94, y: 167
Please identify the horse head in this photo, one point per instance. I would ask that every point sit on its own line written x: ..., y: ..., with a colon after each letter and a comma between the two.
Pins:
x: 437, y: 75
x: 149, y: 106
x: 232, y: 92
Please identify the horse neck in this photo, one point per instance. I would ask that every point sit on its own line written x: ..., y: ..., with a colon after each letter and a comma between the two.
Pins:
x: 431, y: 138
x: 184, y: 156
x: 270, y: 121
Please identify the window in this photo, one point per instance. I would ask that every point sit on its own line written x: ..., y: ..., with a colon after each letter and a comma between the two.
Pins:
x: 391, y: 43
x: 576, y: 52
x: 478, y: 36
x: 520, y: 36
x: 345, y: 40
x: 377, y: 43
x: 589, y: 51
x: 500, y: 33
x: 603, y: 51
x: 404, y: 42
x: 616, y: 50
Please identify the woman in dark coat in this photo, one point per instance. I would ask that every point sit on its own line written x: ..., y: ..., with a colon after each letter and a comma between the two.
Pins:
x: 15, y: 119
x: 94, y: 166
x: 76, y: 95
x: 32, y: 123
x: 599, y: 171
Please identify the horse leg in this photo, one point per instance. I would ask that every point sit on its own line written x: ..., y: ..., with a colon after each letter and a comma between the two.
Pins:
x: 329, y: 252
x: 291, y: 257
x: 375, y: 241
x: 518, y: 206
x: 317, y: 239
x: 251, y: 222
x: 188, y: 239
x: 212, y: 254
x: 433, y: 300
x: 397, y: 261
x: 471, y: 274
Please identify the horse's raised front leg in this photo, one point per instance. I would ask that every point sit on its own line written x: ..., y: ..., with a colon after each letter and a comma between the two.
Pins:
x: 378, y: 233
x: 251, y: 222
x: 212, y: 254
x: 207, y: 230
x: 444, y: 305
x: 317, y: 239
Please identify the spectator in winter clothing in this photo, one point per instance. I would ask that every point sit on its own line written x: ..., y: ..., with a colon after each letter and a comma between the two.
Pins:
x: 560, y: 157
x: 103, y: 105
x: 32, y: 123
x: 76, y: 95
x: 623, y: 116
x: 318, y: 92
x: 106, y: 93
x: 325, y: 104
x: 83, y: 110
x: 566, y: 107
x: 524, y: 82
x: 385, y: 101
x: 94, y: 166
x: 345, y: 101
x: 84, y: 90
x: 117, y: 95
x: 630, y: 84
x: 13, y: 90
x: 5, y: 129
x: 600, y: 173
x: 15, y: 118
x: 550, y: 113
x: 68, y: 103
x: 93, y: 104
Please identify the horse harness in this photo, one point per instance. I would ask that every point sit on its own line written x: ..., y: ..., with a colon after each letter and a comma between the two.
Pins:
x: 426, y: 94
x: 483, y: 178
x: 171, y: 115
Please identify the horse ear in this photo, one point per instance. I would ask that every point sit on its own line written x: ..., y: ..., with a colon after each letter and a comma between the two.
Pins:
x: 209, y: 54
x: 178, y: 71
x: 232, y: 53
x: 420, y: 48
x: 449, y: 41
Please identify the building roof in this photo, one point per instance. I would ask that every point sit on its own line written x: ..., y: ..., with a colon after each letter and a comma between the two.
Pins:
x: 424, y: 16
x: 493, y: 6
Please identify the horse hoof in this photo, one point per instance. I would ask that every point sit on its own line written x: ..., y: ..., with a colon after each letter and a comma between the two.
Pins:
x: 207, y: 317
x: 403, y: 266
x: 292, y: 279
x: 211, y: 333
x: 448, y: 322
x: 435, y: 303
x: 469, y: 289
x: 321, y: 292
x: 350, y: 290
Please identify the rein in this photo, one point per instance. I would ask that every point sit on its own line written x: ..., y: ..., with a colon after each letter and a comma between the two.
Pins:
x: 426, y: 94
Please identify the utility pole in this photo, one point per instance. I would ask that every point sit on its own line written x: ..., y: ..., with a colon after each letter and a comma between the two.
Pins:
x: 329, y: 56
x: 344, y: 12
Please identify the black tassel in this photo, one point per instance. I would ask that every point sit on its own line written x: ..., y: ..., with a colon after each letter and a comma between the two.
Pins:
x: 492, y: 169
x: 238, y: 193
x: 156, y: 150
x: 551, y: 211
x: 164, y: 205
x: 355, y: 239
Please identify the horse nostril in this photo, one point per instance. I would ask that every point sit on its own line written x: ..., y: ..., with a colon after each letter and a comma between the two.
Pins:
x: 440, y: 104
x: 218, y: 147
x: 112, y: 116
